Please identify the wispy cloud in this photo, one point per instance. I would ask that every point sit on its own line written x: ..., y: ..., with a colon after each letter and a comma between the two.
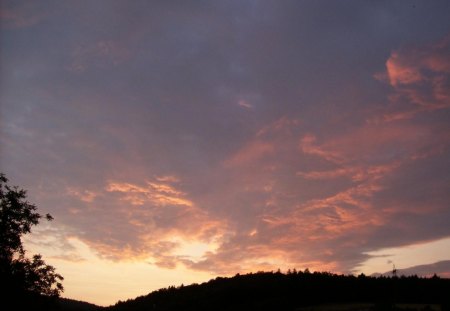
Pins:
x: 159, y: 194
x: 251, y: 153
x: 245, y: 104
x: 83, y: 195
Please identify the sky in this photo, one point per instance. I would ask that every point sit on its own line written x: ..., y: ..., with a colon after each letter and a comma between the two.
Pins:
x: 177, y: 141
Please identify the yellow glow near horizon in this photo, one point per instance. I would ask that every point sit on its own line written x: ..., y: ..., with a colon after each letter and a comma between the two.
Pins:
x: 406, y: 256
x: 104, y: 282
x: 91, y: 278
x: 193, y: 250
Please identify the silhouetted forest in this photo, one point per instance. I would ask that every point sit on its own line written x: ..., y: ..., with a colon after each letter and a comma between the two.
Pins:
x: 32, y: 301
x: 298, y: 291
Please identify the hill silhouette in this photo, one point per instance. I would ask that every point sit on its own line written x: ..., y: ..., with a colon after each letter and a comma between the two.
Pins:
x: 33, y: 301
x: 299, y: 291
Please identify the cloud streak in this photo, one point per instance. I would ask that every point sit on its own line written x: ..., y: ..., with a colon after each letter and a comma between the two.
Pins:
x: 226, y: 137
x: 419, y: 77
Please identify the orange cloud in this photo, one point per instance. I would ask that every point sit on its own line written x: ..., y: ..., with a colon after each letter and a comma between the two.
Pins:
x: 82, y: 194
x: 368, y: 145
x: 168, y: 178
x: 356, y: 173
x: 159, y: 194
x: 421, y: 76
x: 252, y: 152
x: 401, y: 72
x: 283, y: 125
x: 159, y: 224
x: 328, y: 218
x: 327, y: 174
x: 308, y: 145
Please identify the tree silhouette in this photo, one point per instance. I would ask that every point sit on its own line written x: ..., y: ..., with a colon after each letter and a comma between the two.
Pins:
x: 300, y: 291
x: 20, y: 275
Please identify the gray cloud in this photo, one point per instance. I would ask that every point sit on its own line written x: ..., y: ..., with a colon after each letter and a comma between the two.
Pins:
x: 440, y: 268
x: 267, y: 115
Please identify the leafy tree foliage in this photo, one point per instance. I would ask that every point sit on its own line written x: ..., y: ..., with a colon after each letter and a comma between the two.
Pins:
x: 19, y: 274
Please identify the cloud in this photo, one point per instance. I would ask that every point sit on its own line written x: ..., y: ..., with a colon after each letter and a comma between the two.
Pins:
x: 307, y: 145
x: 420, y: 78
x: 441, y: 268
x: 369, y: 144
x: 22, y: 15
x: 159, y: 194
x: 153, y: 220
x: 326, y: 174
x: 245, y: 104
x: 176, y: 135
x: 283, y: 194
x: 281, y: 220
x: 410, y: 66
x: 251, y: 153
x: 83, y: 195
x: 401, y: 72
x: 56, y: 240
x: 103, y: 53
x: 406, y: 257
x: 359, y: 169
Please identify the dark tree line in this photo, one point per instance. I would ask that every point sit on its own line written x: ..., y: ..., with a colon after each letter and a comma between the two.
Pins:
x: 294, y: 291
x: 24, y: 281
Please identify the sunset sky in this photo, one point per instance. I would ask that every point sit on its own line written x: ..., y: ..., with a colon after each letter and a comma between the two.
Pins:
x: 177, y: 141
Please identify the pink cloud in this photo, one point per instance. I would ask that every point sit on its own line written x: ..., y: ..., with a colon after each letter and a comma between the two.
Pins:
x: 401, y: 72
x: 155, y: 193
x: 308, y: 145
x: 245, y: 104
x: 421, y: 76
x: 331, y: 174
x: 285, y: 221
x: 369, y: 144
x: 254, y: 151
x: 284, y: 125
x: 326, y: 219
x: 82, y: 194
